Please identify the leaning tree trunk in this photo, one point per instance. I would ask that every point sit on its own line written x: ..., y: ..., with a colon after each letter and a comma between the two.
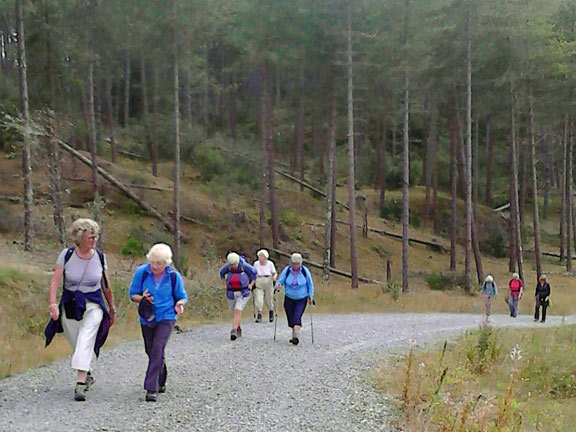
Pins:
x: 406, y: 156
x: 26, y: 151
x: 176, y: 94
x: 535, y: 216
x: 351, y: 162
x: 329, y: 189
x: 516, y: 212
x: 468, y: 160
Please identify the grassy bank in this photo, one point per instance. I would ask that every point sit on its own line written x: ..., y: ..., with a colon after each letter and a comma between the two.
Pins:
x: 488, y: 380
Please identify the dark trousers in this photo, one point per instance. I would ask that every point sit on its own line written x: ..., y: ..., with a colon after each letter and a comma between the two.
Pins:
x: 294, y: 310
x: 155, y: 340
x: 544, y: 304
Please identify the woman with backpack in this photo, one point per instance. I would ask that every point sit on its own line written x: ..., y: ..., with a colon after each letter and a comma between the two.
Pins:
x: 515, y: 291
x: 81, y: 313
x: 489, y: 290
x: 542, y: 298
x: 237, y: 278
x: 159, y: 291
x: 298, y: 290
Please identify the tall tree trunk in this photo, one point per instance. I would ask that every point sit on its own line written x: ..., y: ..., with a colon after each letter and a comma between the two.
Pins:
x: 330, y: 180
x: 154, y: 131
x: 188, y: 99
x: 516, y: 214
x: 475, y: 162
x: 513, y: 254
x: 430, y: 149
x: 535, y: 216
x: 547, y: 165
x: 426, y: 155
x: 205, y: 109
x: 564, y: 190
x: 176, y: 94
x: 267, y: 113
x: 300, y: 128
x: 453, y: 192
x: 26, y: 151
x: 490, y: 150
x: 569, y: 199
x: 53, y: 149
x: 91, y: 112
x: 406, y: 154
x: 145, y: 110
x: 110, y: 115
x: 468, y: 156
x: 384, y: 160
x: 263, y: 171
x: 351, y: 162
x: 126, y: 87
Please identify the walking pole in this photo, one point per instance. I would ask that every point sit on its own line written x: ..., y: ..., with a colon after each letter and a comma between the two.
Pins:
x: 311, y: 322
x: 275, y: 313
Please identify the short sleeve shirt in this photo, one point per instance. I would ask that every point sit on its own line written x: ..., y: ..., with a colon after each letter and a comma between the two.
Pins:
x: 265, y: 270
x: 81, y: 274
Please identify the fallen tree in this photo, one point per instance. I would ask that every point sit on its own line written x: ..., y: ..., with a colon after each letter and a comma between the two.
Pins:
x: 120, y: 186
x: 332, y: 269
x: 135, y: 186
x: 309, y: 186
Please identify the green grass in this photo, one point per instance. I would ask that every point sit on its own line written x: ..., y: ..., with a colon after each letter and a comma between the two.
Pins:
x: 488, y: 380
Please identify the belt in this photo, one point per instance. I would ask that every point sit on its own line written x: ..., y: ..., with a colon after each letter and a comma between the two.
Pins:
x: 264, y: 276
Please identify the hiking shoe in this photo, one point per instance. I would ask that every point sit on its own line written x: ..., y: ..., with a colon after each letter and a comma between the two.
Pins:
x: 542, y: 321
x: 89, y: 380
x: 233, y: 335
x: 259, y: 318
x: 80, y: 392
x: 151, y: 396
x: 162, y: 389
x: 295, y: 340
x: 239, y: 331
x: 271, y: 314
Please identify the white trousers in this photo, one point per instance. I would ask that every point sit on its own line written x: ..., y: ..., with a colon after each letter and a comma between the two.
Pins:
x: 82, y: 335
x: 263, y: 293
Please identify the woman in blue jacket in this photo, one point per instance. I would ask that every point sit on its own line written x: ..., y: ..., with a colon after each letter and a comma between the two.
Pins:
x: 159, y: 290
x: 298, y: 289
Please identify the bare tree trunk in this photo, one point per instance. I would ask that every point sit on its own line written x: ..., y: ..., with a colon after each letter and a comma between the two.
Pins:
x: 154, y: 137
x: 53, y: 149
x: 176, y: 94
x: 453, y: 193
x: 537, y: 251
x: 267, y: 112
x: 26, y: 151
x: 490, y: 150
x: 513, y: 259
x: 330, y: 180
x: 468, y: 156
x: 333, y: 193
x: 475, y: 163
x: 383, y: 159
x: 569, y: 199
x: 406, y: 155
x: 516, y: 213
x: 110, y: 115
x: 351, y: 162
x: 544, y: 150
x: 426, y: 155
x: 126, y: 87
x: 564, y: 190
x: 91, y: 113
x: 300, y: 128
x: 188, y: 98
x: 206, y: 90
x: 263, y: 173
x: 430, y: 149
x: 144, y: 96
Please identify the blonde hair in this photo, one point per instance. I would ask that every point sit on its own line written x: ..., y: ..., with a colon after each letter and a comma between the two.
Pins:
x: 515, y: 276
x: 296, y: 258
x: 160, y: 252
x: 80, y: 226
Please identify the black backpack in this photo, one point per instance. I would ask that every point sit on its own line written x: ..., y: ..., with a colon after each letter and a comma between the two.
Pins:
x: 68, y: 255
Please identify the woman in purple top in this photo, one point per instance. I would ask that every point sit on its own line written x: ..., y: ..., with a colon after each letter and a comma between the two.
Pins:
x: 81, y: 313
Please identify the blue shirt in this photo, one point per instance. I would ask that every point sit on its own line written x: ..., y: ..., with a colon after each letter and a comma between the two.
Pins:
x: 164, y: 299
x: 298, y: 287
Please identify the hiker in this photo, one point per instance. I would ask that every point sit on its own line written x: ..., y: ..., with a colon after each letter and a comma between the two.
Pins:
x: 542, y: 298
x: 298, y: 289
x: 159, y: 291
x: 264, y: 289
x: 81, y: 313
x: 489, y: 290
x: 238, y: 279
x: 515, y: 291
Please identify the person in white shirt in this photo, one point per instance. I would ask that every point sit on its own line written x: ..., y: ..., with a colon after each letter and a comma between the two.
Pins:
x: 264, y: 288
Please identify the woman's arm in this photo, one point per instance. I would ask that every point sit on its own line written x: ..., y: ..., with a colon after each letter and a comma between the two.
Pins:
x: 53, y: 291
x: 107, y: 289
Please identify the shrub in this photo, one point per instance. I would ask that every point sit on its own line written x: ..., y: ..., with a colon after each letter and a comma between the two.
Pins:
x: 209, y: 162
x: 130, y: 207
x: 288, y: 218
x: 440, y: 282
x: 391, y: 210
x: 493, y: 240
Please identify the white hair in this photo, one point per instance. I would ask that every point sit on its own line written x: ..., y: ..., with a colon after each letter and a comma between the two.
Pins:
x: 160, y: 252
x: 515, y: 276
x: 489, y: 278
x: 80, y: 226
x: 543, y: 277
x: 264, y: 253
x: 296, y: 258
x: 233, y: 258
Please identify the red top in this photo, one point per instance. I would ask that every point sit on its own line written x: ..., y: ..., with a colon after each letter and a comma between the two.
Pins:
x: 516, y: 285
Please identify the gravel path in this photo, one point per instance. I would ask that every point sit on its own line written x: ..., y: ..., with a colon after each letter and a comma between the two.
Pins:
x: 252, y: 384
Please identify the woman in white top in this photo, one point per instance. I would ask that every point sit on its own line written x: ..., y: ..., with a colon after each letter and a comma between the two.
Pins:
x: 264, y: 289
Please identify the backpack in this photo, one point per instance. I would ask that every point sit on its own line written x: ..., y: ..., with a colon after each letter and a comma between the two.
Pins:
x: 172, y: 281
x: 68, y: 255
x: 304, y: 271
